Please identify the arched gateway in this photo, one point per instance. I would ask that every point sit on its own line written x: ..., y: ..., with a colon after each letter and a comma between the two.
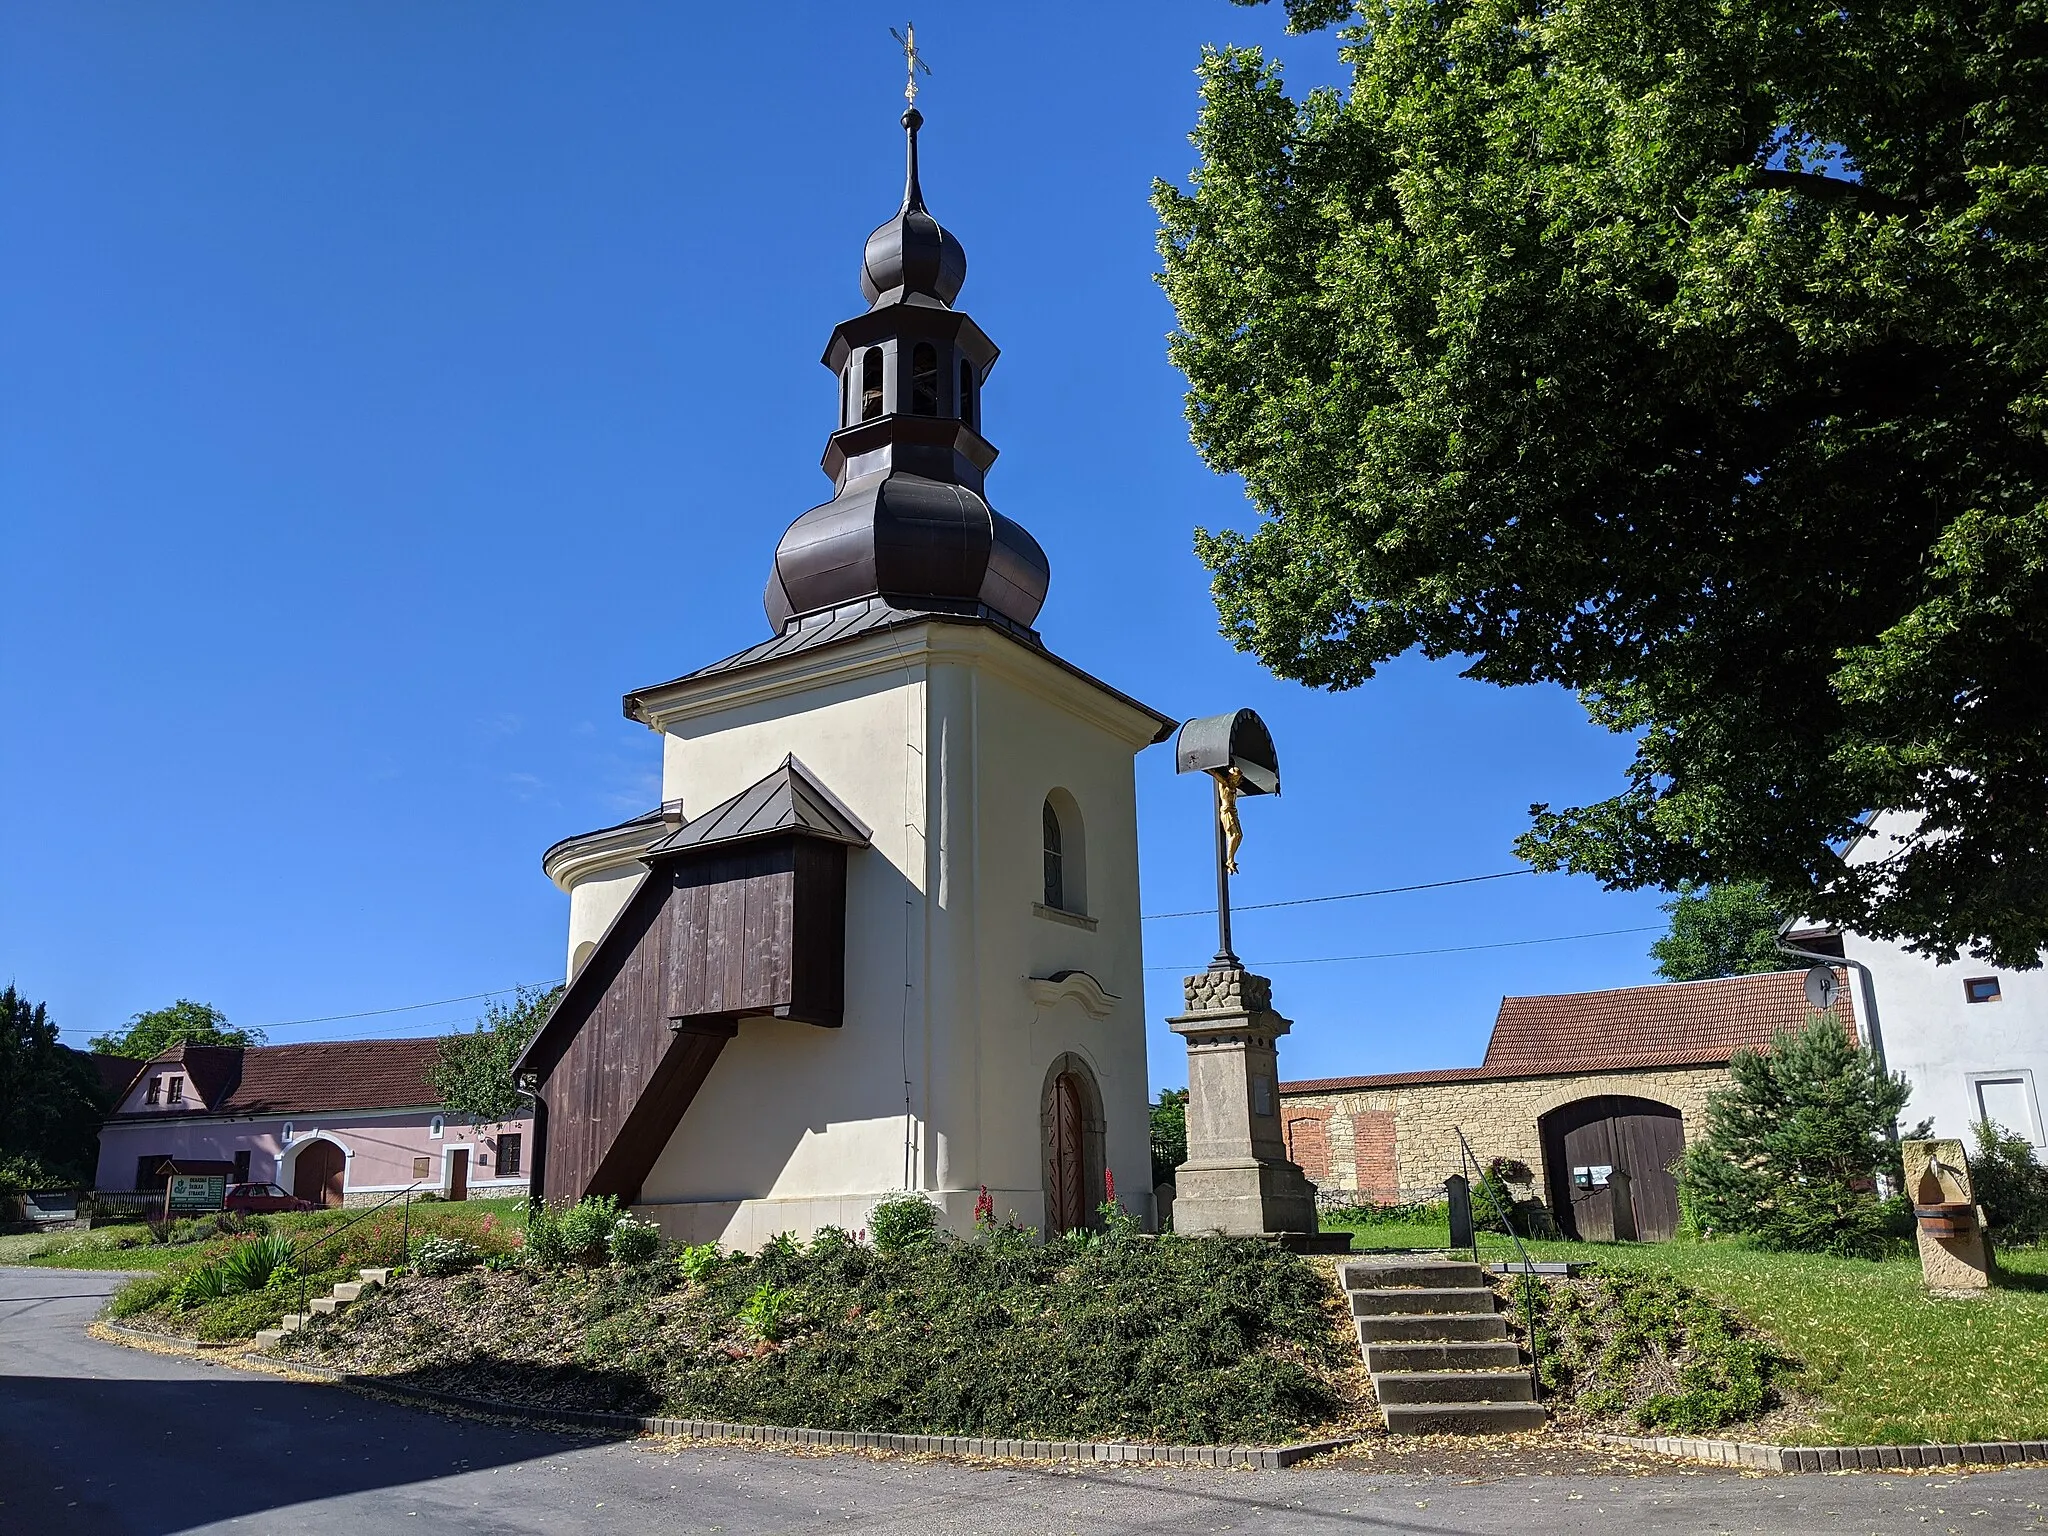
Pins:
x: 1587, y: 1140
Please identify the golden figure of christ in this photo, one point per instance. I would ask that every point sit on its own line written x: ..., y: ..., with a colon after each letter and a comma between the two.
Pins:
x: 1228, y: 782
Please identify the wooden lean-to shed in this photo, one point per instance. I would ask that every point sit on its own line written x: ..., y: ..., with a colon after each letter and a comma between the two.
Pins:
x: 742, y: 914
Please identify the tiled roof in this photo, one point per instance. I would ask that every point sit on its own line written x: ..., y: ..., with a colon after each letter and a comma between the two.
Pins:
x: 307, y: 1079
x: 115, y: 1072
x: 1676, y: 1024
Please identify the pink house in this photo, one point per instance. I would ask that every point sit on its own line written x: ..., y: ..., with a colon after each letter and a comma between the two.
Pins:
x: 339, y: 1123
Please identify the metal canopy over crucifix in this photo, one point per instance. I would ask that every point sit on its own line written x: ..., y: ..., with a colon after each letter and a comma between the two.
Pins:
x: 1235, y: 750
x: 913, y: 61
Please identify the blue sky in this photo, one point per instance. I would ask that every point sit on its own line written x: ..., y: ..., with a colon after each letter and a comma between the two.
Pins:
x: 352, y: 357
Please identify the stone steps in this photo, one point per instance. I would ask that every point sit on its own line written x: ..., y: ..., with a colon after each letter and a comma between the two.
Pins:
x: 341, y: 1295
x: 1438, y: 1350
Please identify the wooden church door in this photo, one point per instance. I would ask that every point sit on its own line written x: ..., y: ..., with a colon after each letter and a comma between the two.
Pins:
x: 317, y: 1174
x: 1069, y: 1160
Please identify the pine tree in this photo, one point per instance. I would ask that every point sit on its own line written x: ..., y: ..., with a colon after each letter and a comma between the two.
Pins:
x: 1794, y: 1145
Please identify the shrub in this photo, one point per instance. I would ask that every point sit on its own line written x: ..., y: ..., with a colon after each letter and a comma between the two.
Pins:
x: 257, y: 1262
x: 445, y: 1256
x: 901, y: 1222
x: 586, y: 1225
x: 161, y: 1229
x: 632, y: 1241
x: 699, y: 1262
x: 1794, y: 1145
x: 2010, y: 1185
x: 544, y: 1245
x: 764, y: 1316
x: 144, y: 1293
x: 206, y: 1283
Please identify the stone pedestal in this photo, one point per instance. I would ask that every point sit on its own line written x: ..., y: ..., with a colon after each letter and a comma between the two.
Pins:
x: 1955, y: 1256
x: 1237, y: 1179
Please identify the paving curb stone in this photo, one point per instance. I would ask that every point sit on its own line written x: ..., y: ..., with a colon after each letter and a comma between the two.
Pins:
x: 1834, y: 1458
x: 1251, y: 1457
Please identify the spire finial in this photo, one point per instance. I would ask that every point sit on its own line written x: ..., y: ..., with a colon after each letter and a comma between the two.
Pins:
x: 913, y: 61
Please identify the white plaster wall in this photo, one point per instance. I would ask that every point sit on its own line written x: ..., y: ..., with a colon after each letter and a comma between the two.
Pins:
x: 945, y: 740
x: 1943, y: 1043
x: 594, y: 901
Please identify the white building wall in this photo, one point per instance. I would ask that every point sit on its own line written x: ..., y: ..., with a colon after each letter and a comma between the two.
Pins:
x: 945, y: 739
x: 1963, y: 1059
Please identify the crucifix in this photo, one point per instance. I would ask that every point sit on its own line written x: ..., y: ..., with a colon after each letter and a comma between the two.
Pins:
x: 1236, y: 751
x: 913, y: 61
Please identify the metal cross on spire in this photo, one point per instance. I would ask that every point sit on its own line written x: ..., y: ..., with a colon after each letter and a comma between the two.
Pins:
x: 913, y: 61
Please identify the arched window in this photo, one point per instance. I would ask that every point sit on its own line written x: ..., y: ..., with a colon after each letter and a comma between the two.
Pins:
x: 1066, y: 855
x: 967, y: 392
x: 924, y: 379
x: 1055, y: 861
x: 871, y: 384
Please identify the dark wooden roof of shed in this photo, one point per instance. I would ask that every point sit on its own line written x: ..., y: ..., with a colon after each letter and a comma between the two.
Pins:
x: 1674, y: 1024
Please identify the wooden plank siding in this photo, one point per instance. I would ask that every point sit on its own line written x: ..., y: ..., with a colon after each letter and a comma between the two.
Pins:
x: 713, y: 935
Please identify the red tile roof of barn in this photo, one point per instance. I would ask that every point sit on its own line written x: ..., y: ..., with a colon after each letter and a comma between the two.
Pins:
x: 1674, y: 1024
x: 307, y: 1079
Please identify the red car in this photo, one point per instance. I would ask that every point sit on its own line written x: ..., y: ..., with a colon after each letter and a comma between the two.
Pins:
x: 262, y: 1197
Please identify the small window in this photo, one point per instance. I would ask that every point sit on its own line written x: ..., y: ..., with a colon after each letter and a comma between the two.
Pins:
x: 871, y: 384
x: 924, y: 379
x: 967, y: 392
x: 846, y: 397
x: 419, y: 1167
x: 156, y: 1091
x: 242, y: 1167
x: 435, y: 1127
x: 285, y: 1135
x: 509, y: 1149
x: 174, y: 1091
x: 1055, y: 862
x: 1981, y: 989
x: 2006, y: 1103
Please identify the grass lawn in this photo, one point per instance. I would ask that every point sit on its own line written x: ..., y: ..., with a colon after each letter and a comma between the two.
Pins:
x: 1889, y: 1363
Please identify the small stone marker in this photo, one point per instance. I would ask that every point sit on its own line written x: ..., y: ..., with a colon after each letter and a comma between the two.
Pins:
x: 1955, y: 1257
x: 1458, y: 1195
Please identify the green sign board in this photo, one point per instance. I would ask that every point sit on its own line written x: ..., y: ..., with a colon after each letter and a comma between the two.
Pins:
x: 196, y: 1191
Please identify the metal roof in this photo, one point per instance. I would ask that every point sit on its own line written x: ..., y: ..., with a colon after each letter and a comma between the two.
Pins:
x: 788, y: 800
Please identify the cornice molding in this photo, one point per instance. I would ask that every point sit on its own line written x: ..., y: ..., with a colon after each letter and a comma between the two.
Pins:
x: 1050, y: 991
x: 575, y: 859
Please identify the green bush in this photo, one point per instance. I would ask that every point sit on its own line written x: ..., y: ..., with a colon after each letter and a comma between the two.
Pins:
x: 145, y: 1293
x: 544, y: 1245
x: 586, y: 1225
x: 209, y: 1282
x: 765, y: 1316
x: 1421, y: 1213
x: 2010, y: 1185
x: 445, y: 1256
x: 899, y: 1223
x: 698, y: 1262
x: 253, y: 1263
x: 632, y: 1241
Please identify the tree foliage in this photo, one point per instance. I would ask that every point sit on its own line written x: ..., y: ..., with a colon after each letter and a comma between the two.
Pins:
x: 1169, y: 1134
x: 1794, y: 1145
x: 1689, y: 354
x: 149, y: 1034
x: 1720, y: 930
x: 473, y: 1070
x: 51, y: 1100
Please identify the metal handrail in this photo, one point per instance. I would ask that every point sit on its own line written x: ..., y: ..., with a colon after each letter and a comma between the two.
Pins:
x: 404, y: 1194
x: 1468, y: 1156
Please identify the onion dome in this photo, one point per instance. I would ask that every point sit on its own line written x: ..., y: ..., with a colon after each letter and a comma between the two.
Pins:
x: 911, y: 255
x: 909, y: 522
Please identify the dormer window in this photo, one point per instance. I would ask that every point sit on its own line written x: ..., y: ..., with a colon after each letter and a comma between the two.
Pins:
x: 924, y: 379
x: 871, y: 384
x: 174, y: 1091
x: 156, y: 1091
x: 967, y: 392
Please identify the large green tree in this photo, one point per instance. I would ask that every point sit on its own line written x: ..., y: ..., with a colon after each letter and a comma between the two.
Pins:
x: 51, y: 1099
x: 1691, y: 354
x: 1720, y: 930
x: 473, y: 1069
x: 146, y: 1034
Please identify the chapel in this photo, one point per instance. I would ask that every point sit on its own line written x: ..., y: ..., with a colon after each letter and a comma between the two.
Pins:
x: 882, y: 932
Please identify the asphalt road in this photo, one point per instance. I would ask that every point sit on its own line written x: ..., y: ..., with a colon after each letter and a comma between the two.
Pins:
x: 100, y: 1440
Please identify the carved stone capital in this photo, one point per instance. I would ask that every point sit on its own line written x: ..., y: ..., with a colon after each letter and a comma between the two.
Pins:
x: 1229, y: 991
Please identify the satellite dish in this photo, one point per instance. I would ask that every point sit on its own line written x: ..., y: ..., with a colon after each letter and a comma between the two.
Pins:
x: 1823, y: 986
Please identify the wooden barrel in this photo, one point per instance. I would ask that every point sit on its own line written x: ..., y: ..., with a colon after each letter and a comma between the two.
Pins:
x: 1950, y: 1221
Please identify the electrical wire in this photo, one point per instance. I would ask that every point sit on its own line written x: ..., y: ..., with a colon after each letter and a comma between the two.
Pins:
x: 372, y: 1013
x: 1404, y: 954
x: 1310, y: 901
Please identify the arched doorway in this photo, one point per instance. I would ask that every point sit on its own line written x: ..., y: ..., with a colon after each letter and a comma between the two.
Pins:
x: 1071, y: 1124
x: 317, y: 1173
x: 1585, y: 1141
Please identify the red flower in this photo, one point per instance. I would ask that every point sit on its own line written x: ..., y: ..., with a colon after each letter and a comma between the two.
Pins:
x: 1109, y: 1186
x: 984, y: 1207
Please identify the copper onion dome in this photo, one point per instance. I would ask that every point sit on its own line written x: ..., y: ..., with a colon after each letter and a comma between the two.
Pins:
x: 908, y: 522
